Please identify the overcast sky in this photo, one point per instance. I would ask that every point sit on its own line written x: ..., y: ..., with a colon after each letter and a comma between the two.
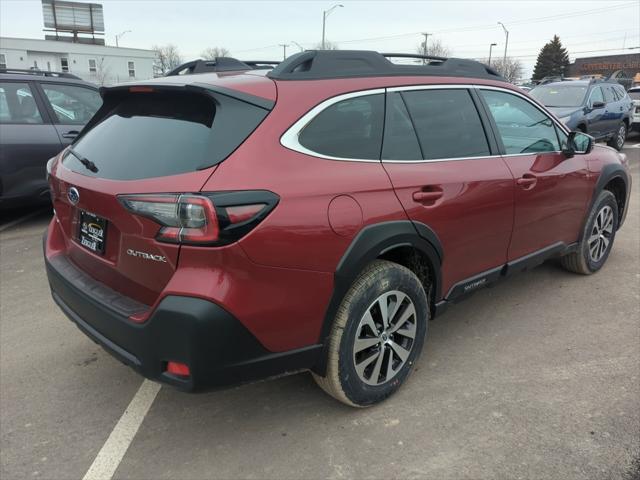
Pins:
x: 253, y: 29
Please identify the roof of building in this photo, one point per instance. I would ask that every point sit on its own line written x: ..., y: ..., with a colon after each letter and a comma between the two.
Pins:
x: 13, y: 43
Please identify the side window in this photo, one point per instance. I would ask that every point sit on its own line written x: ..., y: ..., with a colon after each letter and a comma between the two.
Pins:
x: 351, y: 128
x: 523, y: 128
x: 447, y: 123
x: 596, y: 96
x: 17, y: 104
x: 71, y: 104
x: 400, y: 141
x: 608, y: 94
x: 620, y: 91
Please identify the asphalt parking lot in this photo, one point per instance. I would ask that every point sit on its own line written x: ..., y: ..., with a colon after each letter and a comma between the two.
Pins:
x: 536, y: 378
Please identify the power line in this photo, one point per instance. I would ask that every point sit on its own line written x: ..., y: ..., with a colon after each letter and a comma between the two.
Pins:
x: 470, y: 28
x: 492, y: 26
x: 572, y: 53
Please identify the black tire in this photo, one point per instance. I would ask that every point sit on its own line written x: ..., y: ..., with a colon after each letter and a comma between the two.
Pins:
x: 342, y: 380
x: 581, y: 261
x: 618, y: 139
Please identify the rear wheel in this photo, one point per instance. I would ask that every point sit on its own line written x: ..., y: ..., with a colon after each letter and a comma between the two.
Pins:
x: 377, y: 335
x: 617, y: 141
x: 597, y: 238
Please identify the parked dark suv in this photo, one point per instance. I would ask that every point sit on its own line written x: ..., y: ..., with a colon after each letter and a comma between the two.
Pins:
x: 601, y: 109
x: 217, y: 228
x: 40, y: 114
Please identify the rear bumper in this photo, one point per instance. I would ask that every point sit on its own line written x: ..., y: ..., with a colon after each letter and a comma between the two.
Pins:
x: 218, y: 349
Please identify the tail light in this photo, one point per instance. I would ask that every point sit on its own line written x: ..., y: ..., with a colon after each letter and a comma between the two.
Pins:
x: 202, y: 219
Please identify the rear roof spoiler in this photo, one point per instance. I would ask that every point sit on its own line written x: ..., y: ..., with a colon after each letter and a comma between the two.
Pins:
x: 199, y: 87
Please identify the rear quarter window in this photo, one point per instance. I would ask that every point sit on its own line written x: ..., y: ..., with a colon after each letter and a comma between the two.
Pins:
x: 351, y: 128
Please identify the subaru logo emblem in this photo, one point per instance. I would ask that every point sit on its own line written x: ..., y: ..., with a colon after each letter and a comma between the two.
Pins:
x: 73, y: 195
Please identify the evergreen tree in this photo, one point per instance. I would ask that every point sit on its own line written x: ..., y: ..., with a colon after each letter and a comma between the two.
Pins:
x: 552, y: 60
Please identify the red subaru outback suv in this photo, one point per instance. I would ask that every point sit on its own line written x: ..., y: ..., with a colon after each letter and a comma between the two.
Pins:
x: 218, y: 228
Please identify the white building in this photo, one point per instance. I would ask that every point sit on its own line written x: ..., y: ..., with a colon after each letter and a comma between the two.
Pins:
x: 98, y: 64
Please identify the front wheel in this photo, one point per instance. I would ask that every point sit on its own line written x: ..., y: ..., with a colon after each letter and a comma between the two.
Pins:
x: 377, y: 335
x: 617, y: 141
x: 597, y: 238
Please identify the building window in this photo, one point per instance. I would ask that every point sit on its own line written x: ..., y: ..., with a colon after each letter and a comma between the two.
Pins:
x: 3, y: 60
x: 92, y: 65
x: 132, y: 69
x: 64, y: 63
x: 35, y: 64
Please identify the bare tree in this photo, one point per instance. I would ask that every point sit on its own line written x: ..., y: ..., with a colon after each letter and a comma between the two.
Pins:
x: 327, y: 46
x: 102, y: 72
x: 212, y: 53
x: 435, y: 48
x: 511, y: 70
x: 167, y: 58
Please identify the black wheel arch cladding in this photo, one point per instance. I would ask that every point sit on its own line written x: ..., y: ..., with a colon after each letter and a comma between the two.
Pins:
x: 609, y: 173
x: 369, y: 244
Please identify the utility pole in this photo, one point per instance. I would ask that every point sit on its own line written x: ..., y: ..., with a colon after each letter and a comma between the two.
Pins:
x: 506, y: 43
x: 491, y: 48
x: 284, y: 50
x: 325, y: 14
x: 424, y: 47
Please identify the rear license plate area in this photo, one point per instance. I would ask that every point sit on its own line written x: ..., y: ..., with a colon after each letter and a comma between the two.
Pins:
x: 92, y: 232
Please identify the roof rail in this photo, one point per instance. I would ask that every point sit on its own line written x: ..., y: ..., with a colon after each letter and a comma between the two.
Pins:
x: 325, y: 64
x: 261, y: 64
x: 43, y: 73
x: 220, y: 64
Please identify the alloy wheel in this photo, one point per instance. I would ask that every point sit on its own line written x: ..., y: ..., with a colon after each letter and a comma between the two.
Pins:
x: 601, y: 234
x: 384, y: 338
x: 622, y: 134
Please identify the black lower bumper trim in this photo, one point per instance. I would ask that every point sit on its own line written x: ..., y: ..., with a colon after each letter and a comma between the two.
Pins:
x: 218, y: 349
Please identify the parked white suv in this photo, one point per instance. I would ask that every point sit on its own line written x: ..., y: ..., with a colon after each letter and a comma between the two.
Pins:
x: 634, y: 94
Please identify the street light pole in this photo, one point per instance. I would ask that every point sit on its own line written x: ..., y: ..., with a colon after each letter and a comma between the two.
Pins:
x: 120, y: 35
x: 284, y: 50
x: 298, y: 45
x: 491, y: 48
x: 506, y: 42
x: 325, y: 14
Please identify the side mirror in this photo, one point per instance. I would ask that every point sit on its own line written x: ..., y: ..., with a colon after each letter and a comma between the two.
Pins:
x: 578, y: 143
x: 597, y: 105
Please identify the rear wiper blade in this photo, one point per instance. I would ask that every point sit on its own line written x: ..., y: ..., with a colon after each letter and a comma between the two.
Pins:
x: 89, y: 165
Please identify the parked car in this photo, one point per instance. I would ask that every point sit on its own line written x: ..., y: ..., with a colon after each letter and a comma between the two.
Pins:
x: 218, y: 228
x: 40, y: 114
x: 600, y: 108
x: 634, y: 94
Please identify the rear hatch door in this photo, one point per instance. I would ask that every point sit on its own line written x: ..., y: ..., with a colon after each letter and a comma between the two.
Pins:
x: 153, y: 139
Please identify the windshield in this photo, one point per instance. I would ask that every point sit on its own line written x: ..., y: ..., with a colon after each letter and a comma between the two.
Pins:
x: 560, y: 95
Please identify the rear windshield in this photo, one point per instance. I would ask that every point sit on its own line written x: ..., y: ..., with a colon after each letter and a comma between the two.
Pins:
x: 560, y: 95
x: 144, y: 135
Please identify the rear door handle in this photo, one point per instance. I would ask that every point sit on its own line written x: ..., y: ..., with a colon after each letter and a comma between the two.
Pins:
x: 527, y: 181
x: 428, y: 194
x: 70, y: 134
